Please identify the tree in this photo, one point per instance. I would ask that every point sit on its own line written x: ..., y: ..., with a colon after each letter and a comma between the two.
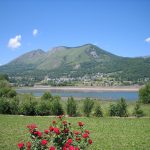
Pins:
x: 4, y: 77
x: 71, y: 107
x: 137, y: 110
x: 12, y: 93
x: 144, y: 94
x: 28, y: 106
x: 44, y: 108
x: 6, y: 90
x: 14, y: 105
x: 46, y: 96
x: 87, y: 106
x: 56, y: 106
x: 98, y: 111
x: 122, y: 108
x: 113, y: 110
x: 4, y: 106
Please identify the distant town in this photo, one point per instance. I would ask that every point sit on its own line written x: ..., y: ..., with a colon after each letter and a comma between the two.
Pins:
x: 96, y: 80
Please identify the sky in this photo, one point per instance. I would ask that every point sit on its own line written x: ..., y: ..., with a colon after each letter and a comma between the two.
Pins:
x: 121, y: 27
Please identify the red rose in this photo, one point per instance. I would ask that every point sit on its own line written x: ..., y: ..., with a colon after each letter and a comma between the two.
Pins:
x: 44, y: 142
x: 85, y: 135
x: 67, y: 145
x: 46, y: 131
x: 80, y: 124
x: 87, y: 131
x: 76, y: 132
x: 90, y: 141
x: 71, y: 147
x: 52, y: 148
x: 36, y: 132
x: 69, y: 141
x: 31, y: 127
x: 66, y: 130
x: 60, y: 117
x: 39, y: 134
x: 64, y: 148
x: 77, y: 148
x: 56, y: 130
x: 51, y: 128
x: 54, y: 122
x: 20, y: 145
x: 64, y: 122
x: 28, y: 145
x: 78, y: 139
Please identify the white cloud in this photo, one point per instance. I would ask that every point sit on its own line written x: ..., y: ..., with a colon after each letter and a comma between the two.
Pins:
x: 147, y: 40
x: 15, y: 42
x: 35, y: 32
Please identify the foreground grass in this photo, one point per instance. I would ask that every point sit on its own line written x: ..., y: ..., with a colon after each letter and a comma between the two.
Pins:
x: 107, y: 133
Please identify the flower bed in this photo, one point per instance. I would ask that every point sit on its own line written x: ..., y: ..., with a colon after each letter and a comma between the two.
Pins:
x: 59, y: 136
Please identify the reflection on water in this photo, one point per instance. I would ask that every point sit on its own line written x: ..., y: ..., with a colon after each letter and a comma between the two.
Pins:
x: 106, y: 95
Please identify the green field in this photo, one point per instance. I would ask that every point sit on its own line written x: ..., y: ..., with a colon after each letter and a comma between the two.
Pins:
x: 107, y: 133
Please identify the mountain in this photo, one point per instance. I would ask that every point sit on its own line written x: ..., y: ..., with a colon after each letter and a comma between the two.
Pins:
x: 74, y: 56
x: 77, y: 62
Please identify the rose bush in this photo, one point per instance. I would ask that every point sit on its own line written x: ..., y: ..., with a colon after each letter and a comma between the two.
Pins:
x: 59, y: 136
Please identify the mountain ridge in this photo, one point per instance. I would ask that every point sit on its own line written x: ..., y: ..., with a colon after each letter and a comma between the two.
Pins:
x: 54, y: 49
x: 87, y: 59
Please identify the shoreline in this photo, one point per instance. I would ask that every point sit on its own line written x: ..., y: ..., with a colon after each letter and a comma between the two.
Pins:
x: 67, y: 88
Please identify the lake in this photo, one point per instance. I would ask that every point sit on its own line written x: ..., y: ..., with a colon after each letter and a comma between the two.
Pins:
x: 105, y: 95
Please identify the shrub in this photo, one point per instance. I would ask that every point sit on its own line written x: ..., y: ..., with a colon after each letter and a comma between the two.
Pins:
x: 4, y: 77
x: 4, y: 106
x: 119, y: 109
x: 71, y: 107
x: 56, y: 106
x: 87, y: 106
x: 137, y: 110
x: 4, y: 83
x: 44, y: 108
x: 98, y: 111
x: 46, y: 96
x: 113, y: 110
x: 144, y: 94
x: 122, y: 108
x: 14, y: 106
x: 28, y: 106
x: 12, y: 93
x: 60, y: 136
x: 6, y: 90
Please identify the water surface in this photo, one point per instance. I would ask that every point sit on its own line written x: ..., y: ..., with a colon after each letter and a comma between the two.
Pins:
x: 105, y: 95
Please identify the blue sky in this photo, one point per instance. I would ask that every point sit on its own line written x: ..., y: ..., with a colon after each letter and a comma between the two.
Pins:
x: 121, y: 27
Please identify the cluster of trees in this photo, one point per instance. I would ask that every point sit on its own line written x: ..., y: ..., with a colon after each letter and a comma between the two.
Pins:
x: 52, y: 105
x: 119, y: 109
x: 46, y: 105
x: 29, y: 105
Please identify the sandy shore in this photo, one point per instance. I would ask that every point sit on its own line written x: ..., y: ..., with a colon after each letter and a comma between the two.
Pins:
x: 118, y: 88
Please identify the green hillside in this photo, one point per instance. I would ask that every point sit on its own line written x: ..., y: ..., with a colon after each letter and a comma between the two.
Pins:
x: 77, y: 62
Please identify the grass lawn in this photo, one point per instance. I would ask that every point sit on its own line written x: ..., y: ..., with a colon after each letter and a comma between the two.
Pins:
x: 106, y: 133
